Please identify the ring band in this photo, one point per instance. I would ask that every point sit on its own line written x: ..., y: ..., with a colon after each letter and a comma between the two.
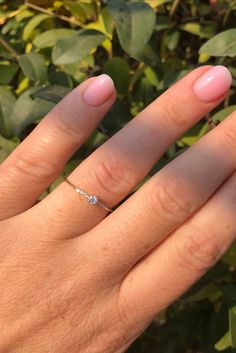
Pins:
x: 92, y: 199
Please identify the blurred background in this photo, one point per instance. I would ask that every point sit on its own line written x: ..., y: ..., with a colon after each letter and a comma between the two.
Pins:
x: 47, y: 47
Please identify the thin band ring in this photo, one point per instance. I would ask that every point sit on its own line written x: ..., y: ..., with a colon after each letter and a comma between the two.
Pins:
x: 92, y: 199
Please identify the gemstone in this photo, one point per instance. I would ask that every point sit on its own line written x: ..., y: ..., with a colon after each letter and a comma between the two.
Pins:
x: 93, y: 200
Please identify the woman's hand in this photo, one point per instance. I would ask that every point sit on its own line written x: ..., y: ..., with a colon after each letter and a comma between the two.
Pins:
x: 75, y: 281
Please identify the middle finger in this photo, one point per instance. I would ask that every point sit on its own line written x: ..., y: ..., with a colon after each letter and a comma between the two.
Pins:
x: 121, y: 163
x: 167, y: 200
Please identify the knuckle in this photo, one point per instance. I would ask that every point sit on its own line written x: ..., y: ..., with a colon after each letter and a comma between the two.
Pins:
x: 34, y: 168
x: 197, y: 251
x: 172, y: 200
x: 175, y: 115
x: 114, y: 176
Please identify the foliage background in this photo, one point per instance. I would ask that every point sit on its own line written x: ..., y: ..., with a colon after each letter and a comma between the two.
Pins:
x: 47, y: 47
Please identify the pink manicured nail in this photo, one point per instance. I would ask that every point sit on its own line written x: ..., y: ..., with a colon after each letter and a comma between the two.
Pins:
x: 213, y: 84
x: 99, y: 90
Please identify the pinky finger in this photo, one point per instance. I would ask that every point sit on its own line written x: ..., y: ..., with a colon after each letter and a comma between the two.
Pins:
x: 182, y: 258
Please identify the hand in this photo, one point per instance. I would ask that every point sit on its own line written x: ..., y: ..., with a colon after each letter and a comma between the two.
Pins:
x: 73, y: 280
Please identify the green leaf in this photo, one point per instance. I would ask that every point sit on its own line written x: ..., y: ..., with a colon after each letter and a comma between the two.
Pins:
x: 232, y: 325
x: 204, y: 9
x: 152, y: 76
x: 23, y: 14
x: 76, y: 9
x: 118, y: 69
x: 223, y: 113
x: 52, y: 93
x: 229, y: 257
x: 95, y: 140
x: 149, y: 56
x: 206, y: 30
x: 27, y: 111
x: 116, y: 117
x: 222, y: 44
x: 146, y: 92
x: 75, y: 48
x: 171, y: 39
x: 81, y: 10
x: 7, y: 101
x: 218, y: 324
x: 75, y: 71
x: 60, y: 78
x: 79, y: 70
x: 209, y: 292
x: 3, y: 155
x: 224, y: 342
x: 8, y: 71
x: 219, y: 116
x: 229, y: 292
x: 8, y: 145
x: 57, y: 182
x: 32, y: 24
x: 173, y: 77
x: 103, y: 24
x: 156, y: 3
x: 129, y: 20
x: 34, y: 67
x: 163, y: 22
x: 50, y: 37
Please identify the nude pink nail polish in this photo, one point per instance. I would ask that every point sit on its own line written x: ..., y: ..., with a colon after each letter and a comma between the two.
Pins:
x: 213, y: 83
x: 99, y: 90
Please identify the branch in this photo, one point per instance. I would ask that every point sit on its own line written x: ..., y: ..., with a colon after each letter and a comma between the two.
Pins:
x: 53, y: 14
x: 9, y: 48
x: 174, y: 7
x: 10, y: 15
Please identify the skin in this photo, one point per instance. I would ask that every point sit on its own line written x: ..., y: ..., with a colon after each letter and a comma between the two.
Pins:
x: 74, y: 280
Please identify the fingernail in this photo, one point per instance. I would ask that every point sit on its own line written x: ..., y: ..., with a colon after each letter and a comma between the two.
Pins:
x: 213, y: 84
x: 99, y: 90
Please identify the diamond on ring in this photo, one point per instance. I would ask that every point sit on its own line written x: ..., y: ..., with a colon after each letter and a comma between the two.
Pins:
x: 92, y: 199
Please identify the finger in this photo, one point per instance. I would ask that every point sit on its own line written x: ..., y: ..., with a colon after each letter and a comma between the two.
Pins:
x: 119, y: 165
x: 167, y: 199
x: 40, y: 158
x: 184, y: 256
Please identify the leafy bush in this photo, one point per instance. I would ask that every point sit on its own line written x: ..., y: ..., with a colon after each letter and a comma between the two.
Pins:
x: 49, y: 46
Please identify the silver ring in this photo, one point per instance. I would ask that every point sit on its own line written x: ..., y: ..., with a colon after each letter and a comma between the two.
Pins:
x: 92, y: 199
